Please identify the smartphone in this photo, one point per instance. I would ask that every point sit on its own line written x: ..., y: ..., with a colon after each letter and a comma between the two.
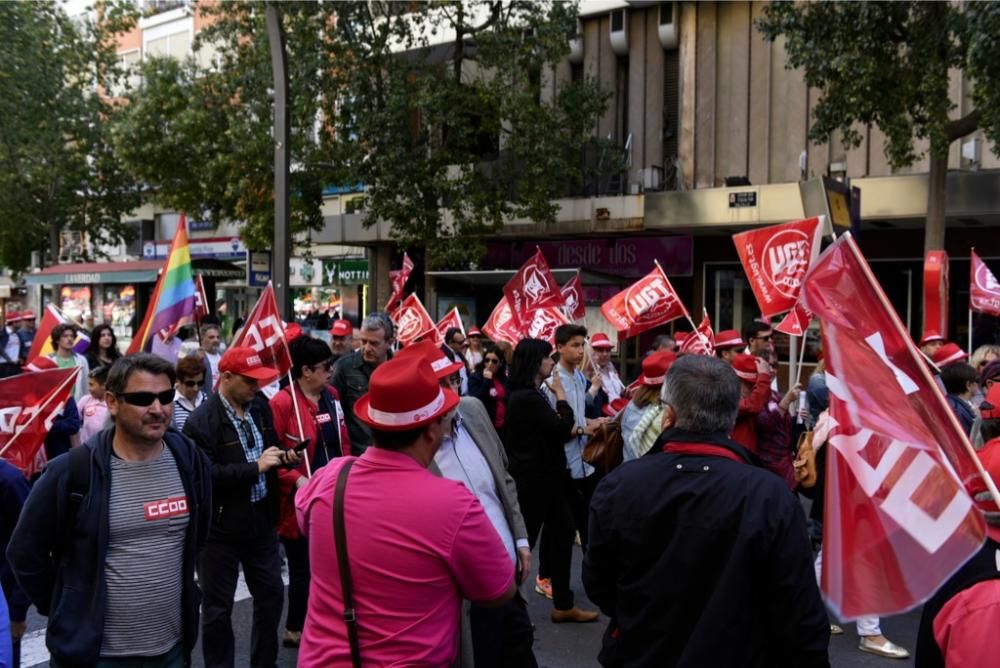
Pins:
x: 301, y: 446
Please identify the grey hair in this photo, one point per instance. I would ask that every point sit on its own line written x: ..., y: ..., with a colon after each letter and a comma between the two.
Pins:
x: 378, y: 320
x: 704, y: 393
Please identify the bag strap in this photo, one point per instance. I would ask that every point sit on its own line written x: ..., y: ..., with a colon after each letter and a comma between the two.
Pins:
x: 344, y: 566
x: 79, y: 486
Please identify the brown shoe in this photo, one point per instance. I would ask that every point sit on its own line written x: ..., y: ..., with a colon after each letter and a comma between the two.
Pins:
x: 574, y: 614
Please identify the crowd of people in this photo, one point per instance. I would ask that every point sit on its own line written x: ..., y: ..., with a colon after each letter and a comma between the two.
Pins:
x: 408, y: 489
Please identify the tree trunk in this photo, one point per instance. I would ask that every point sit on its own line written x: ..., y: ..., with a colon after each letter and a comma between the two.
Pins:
x: 937, y: 181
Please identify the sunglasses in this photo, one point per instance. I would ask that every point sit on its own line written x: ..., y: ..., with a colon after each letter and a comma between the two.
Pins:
x: 490, y: 360
x: 194, y: 383
x: 144, y: 399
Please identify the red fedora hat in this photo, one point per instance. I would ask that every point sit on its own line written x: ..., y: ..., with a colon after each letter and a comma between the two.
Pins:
x: 404, y: 394
x: 440, y: 364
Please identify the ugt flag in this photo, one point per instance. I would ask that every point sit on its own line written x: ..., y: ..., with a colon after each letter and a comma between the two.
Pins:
x: 398, y: 280
x: 533, y: 287
x: 984, y: 291
x: 413, y: 322
x: 702, y: 340
x: 451, y: 319
x: 544, y: 323
x: 29, y: 403
x: 264, y: 331
x: 501, y: 325
x: 796, y: 322
x: 572, y: 294
x: 649, y: 302
x: 899, y: 521
x: 776, y: 259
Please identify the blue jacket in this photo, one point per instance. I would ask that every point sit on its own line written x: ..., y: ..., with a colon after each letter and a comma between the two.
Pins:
x: 59, y: 438
x: 70, y: 588
x: 14, y: 490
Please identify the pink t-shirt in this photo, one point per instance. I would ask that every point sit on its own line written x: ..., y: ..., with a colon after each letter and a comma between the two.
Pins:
x: 93, y: 415
x: 417, y: 545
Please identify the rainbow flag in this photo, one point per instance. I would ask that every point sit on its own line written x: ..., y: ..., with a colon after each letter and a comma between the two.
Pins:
x: 174, y: 295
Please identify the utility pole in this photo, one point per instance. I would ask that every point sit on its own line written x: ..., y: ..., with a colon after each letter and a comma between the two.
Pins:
x: 281, y: 252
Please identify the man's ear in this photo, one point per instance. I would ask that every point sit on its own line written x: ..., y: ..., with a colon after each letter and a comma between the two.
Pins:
x: 668, y: 418
x: 111, y: 399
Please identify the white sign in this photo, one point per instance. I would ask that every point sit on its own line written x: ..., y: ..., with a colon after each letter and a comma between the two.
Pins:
x: 221, y: 248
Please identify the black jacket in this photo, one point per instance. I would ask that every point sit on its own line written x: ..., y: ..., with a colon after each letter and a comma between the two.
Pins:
x: 70, y: 588
x: 350, y: 379
x: 535, y: 434
x: 481, y: 388
x: 704, y: 561
x: 232, y: 475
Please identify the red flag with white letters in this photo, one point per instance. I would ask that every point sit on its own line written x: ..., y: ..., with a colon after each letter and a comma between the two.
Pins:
x: 29, y: 403
x: 702, y: 340
x: 398, y: 281
x: 264, y: 331
x: 649, y: 302
x: 544, y: 323
x: 502, y: 326
x: 776, y: 259
x: 451, y: 319
x: 572, y: 294
x: 796, y: 322
x: 899, y: 517
x: 533, y: 287
x: 984, y: 290
x: 413, y: 322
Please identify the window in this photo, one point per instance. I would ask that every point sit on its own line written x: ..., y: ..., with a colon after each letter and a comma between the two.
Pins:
x: 176, y: 45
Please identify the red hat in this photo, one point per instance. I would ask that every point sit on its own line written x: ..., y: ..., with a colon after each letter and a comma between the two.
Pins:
x: 990, y: 408
x: 615, y: 407
x: 404, y: 394
x: 341, y: 328
x: 474, y: 332
x: 745, y: 367
x: 244, y: 361
x: 654, y: 368
x: 729, y: 338
x: 13, y: 316
x: 293, y: 331
x: 28, y: 315
x: 949, y: 353
x: 440, y: 363
x: 40, y: 364
x: 601, y: 340
x: 930, y: 336
x: 680, y: 337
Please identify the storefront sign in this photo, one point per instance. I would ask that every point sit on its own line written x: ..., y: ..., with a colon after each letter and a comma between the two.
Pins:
x: 742, y: 200
x: 352, y: 271
x: 258, y: 268
x: 629, y: 257
x: 221, y: 248
x: 305, y: 272
x: 82, y: 279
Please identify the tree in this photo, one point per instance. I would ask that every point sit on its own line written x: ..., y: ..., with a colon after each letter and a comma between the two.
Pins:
x: 57, y: 169
x: 887, y: 64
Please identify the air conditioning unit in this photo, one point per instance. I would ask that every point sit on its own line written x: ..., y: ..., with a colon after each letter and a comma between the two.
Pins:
x: 652, y: 178
x: 576, y: 45
x: 619, y: 31
x: 668, y: 25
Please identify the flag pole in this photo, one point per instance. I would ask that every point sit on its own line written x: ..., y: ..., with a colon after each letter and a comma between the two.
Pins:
x: 970, y: 331
x: 802, y: 356
x: 298, y: 416
x: 701, y: 337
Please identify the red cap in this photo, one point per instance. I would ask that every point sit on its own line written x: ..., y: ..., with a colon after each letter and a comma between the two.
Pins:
x: 601, y: 340
x: 930, y: 336
x: 655, y: 366
x: 440, y: 363
x: 474, y: 332
x: 745, y: 367
x: 28, y: 315
x: 404, y: 394
x: 293, y: 331
x: 40, y: 364
x: 990, y: 408
x: 13, y: 316
x: 949, y: 353
x: 729, y: 338
x: 245, y: 361
x: 341, y: 328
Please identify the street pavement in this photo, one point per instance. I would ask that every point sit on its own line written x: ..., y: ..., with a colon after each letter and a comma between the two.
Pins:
x: 556, y: 645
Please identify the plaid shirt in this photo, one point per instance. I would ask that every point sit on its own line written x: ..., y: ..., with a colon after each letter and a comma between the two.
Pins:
x: 252, y: 442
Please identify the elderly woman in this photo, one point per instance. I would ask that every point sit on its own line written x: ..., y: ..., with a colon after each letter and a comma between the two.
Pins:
x: 190, y: 389
x: 643, y: 415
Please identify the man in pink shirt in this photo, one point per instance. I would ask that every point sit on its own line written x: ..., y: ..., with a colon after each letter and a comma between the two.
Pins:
x: 416, y: 544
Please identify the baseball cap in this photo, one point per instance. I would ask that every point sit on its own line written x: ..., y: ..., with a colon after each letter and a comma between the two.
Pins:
x: 341, y: 328
x: 245, y: 361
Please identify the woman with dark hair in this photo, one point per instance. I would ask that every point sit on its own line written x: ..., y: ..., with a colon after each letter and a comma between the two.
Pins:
x: 311, y: 419
x: 535, y: 434
x: 103, y: 349
x: 489, y: 384
x: 190, y: 389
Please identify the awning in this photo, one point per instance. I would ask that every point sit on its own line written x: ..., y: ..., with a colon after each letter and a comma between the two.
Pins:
x: 136, y: 271
x: 499, y: 277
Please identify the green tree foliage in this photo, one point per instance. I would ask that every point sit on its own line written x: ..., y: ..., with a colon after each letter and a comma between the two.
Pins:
x: 57, y: 168
x: 887, y: 64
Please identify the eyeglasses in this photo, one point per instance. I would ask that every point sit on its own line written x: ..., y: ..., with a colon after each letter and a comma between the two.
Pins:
x: 326, y: 366
x: 490, y: 360
x: 194, y: 383
x: 144, y: 399
x: 763, y: 338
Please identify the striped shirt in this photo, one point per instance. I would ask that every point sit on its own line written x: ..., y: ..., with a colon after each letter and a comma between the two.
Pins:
x: 252, y: 442
x: 147, y: 522
x: 183, y: 408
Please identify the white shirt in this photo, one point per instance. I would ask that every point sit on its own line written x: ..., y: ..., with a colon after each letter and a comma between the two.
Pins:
x: 611, y: 383
x: 213, y: 362
x: 13, y: 347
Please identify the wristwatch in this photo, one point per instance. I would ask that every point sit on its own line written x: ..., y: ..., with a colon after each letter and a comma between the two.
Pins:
x: 580, y: 431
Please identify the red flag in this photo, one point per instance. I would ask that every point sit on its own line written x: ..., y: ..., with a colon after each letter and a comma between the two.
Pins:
x: 649, y: 302
x: 200, y: 298
x: 413, y: 322
x: 29, y: 402
x: 265, y: 332
x: 984, y: 291
x: 451, y: 319
x: 42, y: 343
x: 776, y: 259
x: 796, y: 322
x: 702, y: 341
x: 398, y: 280
x: 544, y: 323
x: 572, y: 294
x: 501, y: 325
x: 898, y: 520
x: 533, y: 287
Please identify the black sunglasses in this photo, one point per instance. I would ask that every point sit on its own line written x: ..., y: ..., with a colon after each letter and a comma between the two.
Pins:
x: 194, y: 383
x: 147, y: 398
x: 491, y: 360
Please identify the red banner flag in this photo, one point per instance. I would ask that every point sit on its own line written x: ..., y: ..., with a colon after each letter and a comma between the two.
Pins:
x: 29, y: 403
x: 200, y: 298
x: 42, y: 343
x: 984, y: 291
x: 898, y: 521
x: 702, y: 340
x: 265, y: 332
x: 544, y: 323
x: 501, y: 325
x: 413, y: 322
x: 572, y: 294
x: 776, y: 259
x: 533, y: 287
x: 451, y: 319
x: 796, y: 322
x: 398, y: 280
x: 649, y: 302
